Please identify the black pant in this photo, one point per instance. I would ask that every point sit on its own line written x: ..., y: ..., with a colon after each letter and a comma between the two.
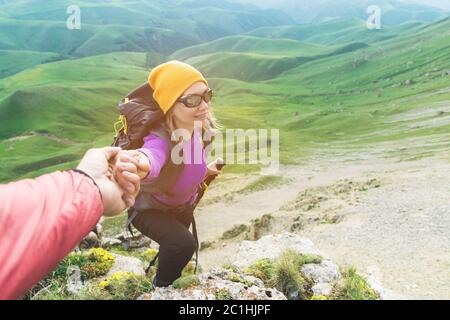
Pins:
x: 176, y: 243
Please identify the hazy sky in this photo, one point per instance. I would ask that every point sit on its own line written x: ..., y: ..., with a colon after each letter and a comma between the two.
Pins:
x: 444, y: 4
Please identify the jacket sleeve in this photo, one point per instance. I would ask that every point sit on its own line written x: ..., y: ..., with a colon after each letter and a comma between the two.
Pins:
x: 157, y: 151
x: 41, y: 221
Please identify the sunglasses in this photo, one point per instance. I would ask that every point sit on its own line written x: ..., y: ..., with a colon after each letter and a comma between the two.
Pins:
x: 194, y: 100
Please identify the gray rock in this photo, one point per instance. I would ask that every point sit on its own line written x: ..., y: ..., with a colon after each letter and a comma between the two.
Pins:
x: 242, y: 287
x: 74, y: 282
x: 90, y: 241
x: 271, y: 246
x: 322, y: 288
x: 136, y: 241
x: 325, y: 272
x: 99, y: 230
x: 126, y: 264
x: 109, y: 242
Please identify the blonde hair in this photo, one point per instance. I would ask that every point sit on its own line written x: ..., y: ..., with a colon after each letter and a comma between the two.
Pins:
x: 209, y: 124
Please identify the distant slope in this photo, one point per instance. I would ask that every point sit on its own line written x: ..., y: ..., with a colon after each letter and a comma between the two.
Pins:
x: 12, y: 62
x: 51, y: 113
x: 108, y: 26
x: 90, y: 40
x: 345, y: 96
x: 83, y: 91
x: 262, y: 63
x: 272, y: 47
x: 394, y: 12
x: 334, y: 32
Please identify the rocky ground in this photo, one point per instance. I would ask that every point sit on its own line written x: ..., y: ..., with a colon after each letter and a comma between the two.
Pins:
x: 388, y: 218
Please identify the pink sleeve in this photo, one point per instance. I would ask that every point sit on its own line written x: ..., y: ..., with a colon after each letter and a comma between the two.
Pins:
x: 157, y: 151
x: 41, y: 221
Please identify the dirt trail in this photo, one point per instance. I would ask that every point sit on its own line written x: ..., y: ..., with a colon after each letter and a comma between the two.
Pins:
x: 399, y: 231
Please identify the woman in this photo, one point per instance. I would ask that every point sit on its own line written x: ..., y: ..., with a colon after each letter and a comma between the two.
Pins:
x: 165, y: 214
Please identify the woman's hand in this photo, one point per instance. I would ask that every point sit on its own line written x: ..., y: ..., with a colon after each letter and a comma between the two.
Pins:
x: 127, y: 159
x: 98, y: 164
x: 212, y: 169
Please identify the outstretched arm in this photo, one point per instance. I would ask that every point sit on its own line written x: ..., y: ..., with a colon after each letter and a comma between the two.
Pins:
x: 43, y: 219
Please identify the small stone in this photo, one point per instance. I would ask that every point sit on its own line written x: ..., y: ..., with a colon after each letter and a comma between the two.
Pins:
x: 408, y: 82
x: 74, y: 282
x: 325, y: 272
x: 90, y: 241
x: 127, y: 264
x: 99, y: 230
x: 110, y: 242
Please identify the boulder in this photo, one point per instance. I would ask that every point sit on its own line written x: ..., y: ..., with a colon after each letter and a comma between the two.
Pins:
x: 271, y: 246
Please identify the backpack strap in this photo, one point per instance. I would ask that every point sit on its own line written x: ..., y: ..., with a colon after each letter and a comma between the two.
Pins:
x: 194, y: 233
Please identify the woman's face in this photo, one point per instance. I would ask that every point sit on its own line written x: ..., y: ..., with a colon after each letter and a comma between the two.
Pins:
x: 185, y: 117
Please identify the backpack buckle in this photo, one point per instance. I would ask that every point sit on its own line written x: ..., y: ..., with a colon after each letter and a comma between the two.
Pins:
x: 123, y: 125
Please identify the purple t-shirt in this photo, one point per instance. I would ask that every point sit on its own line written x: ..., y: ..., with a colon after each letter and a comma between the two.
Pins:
x: 184, y: 189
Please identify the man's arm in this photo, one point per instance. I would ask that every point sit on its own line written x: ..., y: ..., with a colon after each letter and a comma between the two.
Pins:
x: 41, y: 221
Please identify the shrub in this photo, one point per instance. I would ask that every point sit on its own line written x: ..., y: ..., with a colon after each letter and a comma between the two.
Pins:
x: 354, y: 287
x: 92, y: 263
x: 186, y: 282
x: 235, y: 231
x: 262, y: 269
x: 188, y: 269
x: 149, y: 254
x: 97, y: 263
x: 119, y: 286
x: 223, y: 294
x: 287, y: 276
x: 239, y: 279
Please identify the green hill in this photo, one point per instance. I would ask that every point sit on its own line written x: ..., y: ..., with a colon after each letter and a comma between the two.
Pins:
x: 12, y: 62
x: 394, y: 12
x: 263, y: 46
x: 341, y: 96
x: 51, y: 113
x: 334, y: 32
x: 109, y: 26
x: 251, y: 58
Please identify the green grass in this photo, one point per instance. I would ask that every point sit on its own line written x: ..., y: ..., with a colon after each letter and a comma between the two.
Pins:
x: 287, y: 277
x: 109, y: 26
x: 186, y: 282
x: 12, y: 62
x: 347, y: 96
x: 114, y: 225
x: 263, y: 183
x: 243, y: 43
x: 354, y: 287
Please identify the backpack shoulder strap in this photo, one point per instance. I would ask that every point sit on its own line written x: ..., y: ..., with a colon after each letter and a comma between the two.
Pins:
x: 162, y: 131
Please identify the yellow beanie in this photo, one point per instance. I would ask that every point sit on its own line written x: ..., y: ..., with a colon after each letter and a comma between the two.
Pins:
x: 169, y: 80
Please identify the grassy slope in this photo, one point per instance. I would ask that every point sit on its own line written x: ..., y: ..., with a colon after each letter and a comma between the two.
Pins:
x: 346, y: 97
x: 244, y: 43
x: 69, y: 115
x: 54, y: 36
x: 143, y: 26
x: 12, y: 62
x: 334, y: 32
